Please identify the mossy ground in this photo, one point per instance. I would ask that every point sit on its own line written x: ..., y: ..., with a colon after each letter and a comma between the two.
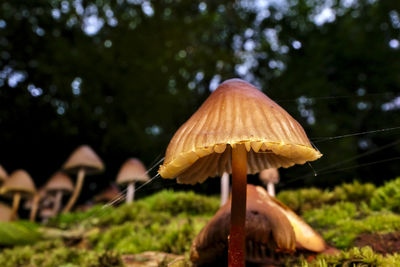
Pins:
x: 168, y: 221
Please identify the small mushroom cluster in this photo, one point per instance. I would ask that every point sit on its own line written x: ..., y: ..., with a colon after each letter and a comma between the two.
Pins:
x: 48, y: 200
x: 19, y: 185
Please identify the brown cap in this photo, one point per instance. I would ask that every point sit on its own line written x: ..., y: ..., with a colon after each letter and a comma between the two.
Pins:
x: 3, y: 175
x: 269, y: 176
x: 19, y: 182
x: 59, y: 182
x: 267, y: 231
x: 5, y: 213
x: 47, y: 213
x: 306, y: 237
x: 235, y: 113
x: 131, y: 171
x: 83, y: 157
x: 111, y: 193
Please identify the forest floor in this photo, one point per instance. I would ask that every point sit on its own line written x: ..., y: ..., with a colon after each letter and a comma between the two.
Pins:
x: 361, y: 220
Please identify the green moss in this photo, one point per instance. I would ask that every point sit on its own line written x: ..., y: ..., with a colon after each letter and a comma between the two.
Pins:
x: 18, y: 233
x: 156, y: 207
x: 387, y: 197
x: 354, y: 192
x: 302, y: 200
x: 54, y: 253
x: 173, y: 235
x: 342, y: 222
x: 353, y: 258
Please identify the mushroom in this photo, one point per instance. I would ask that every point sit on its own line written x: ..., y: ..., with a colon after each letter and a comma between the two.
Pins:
x: 18, y: 185
x: 270, y: 177
x: 59, y: 184
x: 35, y: 203
x: 224, y: 188
x: 306, y: 237
x: 5, y: 213
x: 132, y: 171
x: 238, y: 129
x: 82, y: 161
x: 46, y: 213
x: 109, y: 194
x: 269, y: 233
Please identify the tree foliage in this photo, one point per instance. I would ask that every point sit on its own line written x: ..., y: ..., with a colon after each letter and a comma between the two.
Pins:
x: 123, y: 75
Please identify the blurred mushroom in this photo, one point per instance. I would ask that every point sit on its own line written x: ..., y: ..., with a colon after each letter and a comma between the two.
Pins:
x: 5, y: 213
x: 132, y: 171
x: 270, y: 177
x: 3, y: 175
x: 46, y: 213
x: 237, y: 129
x: 110, y: 194
x: 269, y: 234
x: 18, y: 185
x: 59, y: 184
x: 224, y: 188
x: 82, y: 161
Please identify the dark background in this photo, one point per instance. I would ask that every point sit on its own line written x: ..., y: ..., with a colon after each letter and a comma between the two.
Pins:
x: 122, y: 76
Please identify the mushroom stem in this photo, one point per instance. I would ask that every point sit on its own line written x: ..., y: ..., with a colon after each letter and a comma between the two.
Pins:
x: 16, y: 200
x: 271, y: 189
x: 77, y: 191
x: 130, y: 194
x: 224, y: 188
x: 34, y: 208
x: 236, y: 252
x: 57, y: 202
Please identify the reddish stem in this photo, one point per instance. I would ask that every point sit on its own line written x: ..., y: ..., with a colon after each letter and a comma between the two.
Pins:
x: 236, y: 252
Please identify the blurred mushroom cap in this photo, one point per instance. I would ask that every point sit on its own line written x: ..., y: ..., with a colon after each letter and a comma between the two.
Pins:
x: 83, y: 157
x: 268, y: 231
x: 235, y: 113
x: 111, y: 193
x: 132, y: 170
x: 3, y: 175
x: 5, y: 213
x: 59, y: 182
x: 19, y: 182
x: 47, y: 213
x: 269, y: 176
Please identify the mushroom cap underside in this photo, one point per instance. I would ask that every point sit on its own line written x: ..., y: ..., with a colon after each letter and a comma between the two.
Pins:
x: 235, y: 113
x: 18, y: 182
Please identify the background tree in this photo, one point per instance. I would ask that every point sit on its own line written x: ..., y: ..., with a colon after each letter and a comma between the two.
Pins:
x: 123, y: 75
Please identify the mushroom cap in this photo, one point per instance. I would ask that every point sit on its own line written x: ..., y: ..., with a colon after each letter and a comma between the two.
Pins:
x: 5, y: 212
x: 235, y: 113
x: 131, y: 171
x: 111, y: 193
x: 47, y: 213
x: 83, y: 157
x: 306, y: 237
x: 59, y: 182
x: 267, y: 231
x: 269, y: 176
x: 19, y: 182
x: 3, y: 175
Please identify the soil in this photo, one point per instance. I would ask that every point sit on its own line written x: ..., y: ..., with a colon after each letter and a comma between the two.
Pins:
x: 380, y: 243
